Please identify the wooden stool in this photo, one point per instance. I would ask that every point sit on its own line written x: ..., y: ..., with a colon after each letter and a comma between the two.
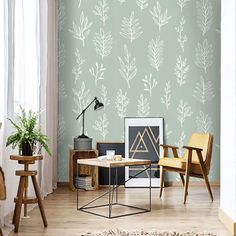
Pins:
x: 22, y: 193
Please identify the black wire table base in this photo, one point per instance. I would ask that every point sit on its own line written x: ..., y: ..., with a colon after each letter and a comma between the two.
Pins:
x: 113, y: 190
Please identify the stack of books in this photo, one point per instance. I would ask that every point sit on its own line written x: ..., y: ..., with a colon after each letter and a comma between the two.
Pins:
x: 84, y: 182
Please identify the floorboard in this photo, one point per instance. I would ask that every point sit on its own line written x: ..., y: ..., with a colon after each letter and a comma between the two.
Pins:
x: 168, y: 214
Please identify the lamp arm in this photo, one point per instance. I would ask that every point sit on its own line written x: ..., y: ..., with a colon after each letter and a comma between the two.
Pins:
x: 86, y: 108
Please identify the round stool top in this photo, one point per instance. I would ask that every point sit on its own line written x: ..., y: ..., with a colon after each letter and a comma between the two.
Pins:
x: 26, y: 158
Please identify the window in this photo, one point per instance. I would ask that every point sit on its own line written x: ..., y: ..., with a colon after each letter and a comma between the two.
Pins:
x: 26, y: 55
x: 2, y: 61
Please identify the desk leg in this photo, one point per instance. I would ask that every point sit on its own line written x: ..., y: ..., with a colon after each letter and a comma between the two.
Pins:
x: 116, y: 185
x: 109, y: 182
x: 150, y: 187
x: 77, y: 198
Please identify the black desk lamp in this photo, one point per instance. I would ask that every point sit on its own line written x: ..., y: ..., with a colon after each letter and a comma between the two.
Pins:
x: 98, y: 106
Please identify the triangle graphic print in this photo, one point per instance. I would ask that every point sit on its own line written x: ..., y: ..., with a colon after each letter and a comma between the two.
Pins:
x: 138, y: 144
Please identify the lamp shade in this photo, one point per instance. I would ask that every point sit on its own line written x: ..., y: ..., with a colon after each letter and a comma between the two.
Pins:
x: 98, y: 105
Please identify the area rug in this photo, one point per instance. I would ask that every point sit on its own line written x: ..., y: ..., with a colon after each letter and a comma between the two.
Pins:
x: 119, y: 232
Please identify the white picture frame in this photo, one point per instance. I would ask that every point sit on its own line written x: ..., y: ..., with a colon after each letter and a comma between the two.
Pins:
x: 142, y: 139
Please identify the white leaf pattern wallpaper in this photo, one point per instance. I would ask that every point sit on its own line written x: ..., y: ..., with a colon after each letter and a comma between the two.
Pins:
x: 156, y: 58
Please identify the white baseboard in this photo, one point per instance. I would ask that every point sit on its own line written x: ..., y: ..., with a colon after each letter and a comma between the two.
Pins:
x: 192, y: 183
x: 227, y: 221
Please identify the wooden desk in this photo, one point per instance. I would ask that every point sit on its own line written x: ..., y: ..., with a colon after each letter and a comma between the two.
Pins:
x: 112, y: 164
x: 85, y: 170
x: 113, y: 186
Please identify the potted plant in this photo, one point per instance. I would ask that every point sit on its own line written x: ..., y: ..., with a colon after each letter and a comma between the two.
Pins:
x: 27, y: 135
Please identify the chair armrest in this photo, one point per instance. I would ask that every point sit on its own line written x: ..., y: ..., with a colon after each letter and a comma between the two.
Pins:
x: 200, y: 158
x: 193, y: 148
x: 166, y: 147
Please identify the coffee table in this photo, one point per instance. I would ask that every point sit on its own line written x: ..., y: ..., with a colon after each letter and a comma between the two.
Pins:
x: 113, y: 186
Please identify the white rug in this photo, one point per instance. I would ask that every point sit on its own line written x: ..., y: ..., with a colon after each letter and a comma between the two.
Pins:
x: 118, y: 232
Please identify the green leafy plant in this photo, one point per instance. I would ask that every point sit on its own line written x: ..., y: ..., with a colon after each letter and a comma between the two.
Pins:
x: 27, y: 134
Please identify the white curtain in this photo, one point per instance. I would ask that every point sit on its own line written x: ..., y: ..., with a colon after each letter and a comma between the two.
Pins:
x: 16, y: 87
x: 49, y: 91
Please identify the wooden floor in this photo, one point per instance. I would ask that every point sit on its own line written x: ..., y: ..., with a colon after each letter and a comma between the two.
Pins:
x: 168, y: 213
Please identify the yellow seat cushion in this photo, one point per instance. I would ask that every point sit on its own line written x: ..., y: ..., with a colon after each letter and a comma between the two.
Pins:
x: 179, y: 163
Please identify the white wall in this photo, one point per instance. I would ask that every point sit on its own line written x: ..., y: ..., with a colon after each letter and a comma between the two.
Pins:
x: 228, y: 110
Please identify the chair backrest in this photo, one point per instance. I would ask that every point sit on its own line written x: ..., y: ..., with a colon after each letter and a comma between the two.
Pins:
x: 204, y: 141
x: 2, y: 185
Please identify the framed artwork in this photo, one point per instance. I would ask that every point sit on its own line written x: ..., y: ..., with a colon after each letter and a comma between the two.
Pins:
x: 142, y: 139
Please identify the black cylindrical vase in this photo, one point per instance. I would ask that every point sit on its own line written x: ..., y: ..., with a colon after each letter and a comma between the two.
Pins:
x: 27, y: 149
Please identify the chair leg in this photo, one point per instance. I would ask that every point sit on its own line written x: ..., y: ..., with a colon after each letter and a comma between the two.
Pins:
x: 182, y: 178
x: 208, y: 185
x: 205, y: 174
x: 161, y: 179
x: 186, y: 186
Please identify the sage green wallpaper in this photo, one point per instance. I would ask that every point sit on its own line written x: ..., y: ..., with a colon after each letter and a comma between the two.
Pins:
x: 141, y: 58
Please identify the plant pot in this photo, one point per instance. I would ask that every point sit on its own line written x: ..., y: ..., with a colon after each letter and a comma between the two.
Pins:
x: 27, y: 149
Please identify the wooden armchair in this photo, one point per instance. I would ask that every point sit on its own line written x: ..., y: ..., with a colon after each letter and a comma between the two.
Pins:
x: 196, y: 161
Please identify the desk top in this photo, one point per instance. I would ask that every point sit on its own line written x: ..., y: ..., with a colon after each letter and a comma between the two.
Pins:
x: 109, y: 164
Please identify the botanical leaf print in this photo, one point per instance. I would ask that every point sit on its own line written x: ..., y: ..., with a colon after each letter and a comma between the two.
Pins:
x: 103, y: 43
x: 143, y: 106
x: 131, y: 28
x: 121, y: 103
x: 104, y: 97
x: 77, y: 68
x: 155, y: 52
x: 204, y: 15
x: 184, y: 111
x: 142, y: 4
x: 203, y: 91
x: 182, y: 3
x: 128, y: 67
x: 101, y: 10
x: 181, y: 70
x: 160, y: 17
x: 61, y: 54
x: 165, y: 99
x: 101, y: 125
x: 182, y: 38
x: 61, y: 91
x: 149, y: 84
x: 204, y: 55
x: 180, y: 144
x: 61, y: 129
x: 204, y: 123
x: 82, y: 30
x: 97, y: 72
x: 81, y: 98
x: 168, y: 132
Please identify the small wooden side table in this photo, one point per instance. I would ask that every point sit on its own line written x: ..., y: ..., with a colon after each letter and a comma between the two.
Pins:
x: 22, y: 193
x: 85, y: 170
